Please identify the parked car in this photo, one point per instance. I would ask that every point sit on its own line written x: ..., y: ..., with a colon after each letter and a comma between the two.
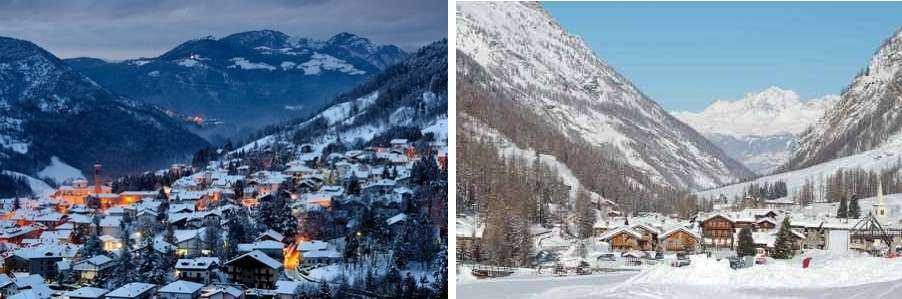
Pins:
x: 559, y: 269
x: 735, y: 262
x: 760, y: 256
x: 681, y: 261
x: 583, y: 268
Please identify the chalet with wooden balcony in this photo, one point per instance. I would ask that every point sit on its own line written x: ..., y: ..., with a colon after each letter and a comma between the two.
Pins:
x: 680, y: 239
x: 718, y: 229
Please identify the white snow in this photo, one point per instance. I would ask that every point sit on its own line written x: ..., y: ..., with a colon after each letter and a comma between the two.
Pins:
x: 439, y: 129
x: 773, y: 111
x: 287, y: 65
x: 883, y: 157
x: 830, y: 276
x: 59, y: 171
x: 241, y: 62
x: 140, y: 62
x: 188, y: 62
x: 38, y: 187
x: 14, y: 145
x: 524, y: 48
x: 323, y: 62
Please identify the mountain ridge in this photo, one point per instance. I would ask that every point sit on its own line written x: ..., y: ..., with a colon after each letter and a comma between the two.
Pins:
x: 524, y: 45
x: 759, y: 128
x: 245, y: 80
x: 49, y: 110
x: 866, y: 116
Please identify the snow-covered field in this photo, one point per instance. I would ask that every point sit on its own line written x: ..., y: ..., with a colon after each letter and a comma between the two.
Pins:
x: 830, y: 276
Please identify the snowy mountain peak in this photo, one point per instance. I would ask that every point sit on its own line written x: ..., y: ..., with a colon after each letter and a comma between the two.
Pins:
x: 773, y: 111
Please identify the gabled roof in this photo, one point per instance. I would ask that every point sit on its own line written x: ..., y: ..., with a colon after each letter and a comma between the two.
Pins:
x: 198, y: 263
x: 613, y: 232
x: 645, y: 226
x: 715, y: 215
x: 260, y: 257
x: 131, y: 290
x: 287, y: 287
x: 181, y: 287
x: 87, y: 292
x: 766, y: 220
x: 273, y: 235
x: 680, y: 228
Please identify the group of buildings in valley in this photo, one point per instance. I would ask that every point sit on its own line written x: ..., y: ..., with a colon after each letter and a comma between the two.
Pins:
x: 43, y: 239
x: 878, y: 230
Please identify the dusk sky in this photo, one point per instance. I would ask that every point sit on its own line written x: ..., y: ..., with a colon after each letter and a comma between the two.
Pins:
x: 687, y: 55
x: 130, y: 28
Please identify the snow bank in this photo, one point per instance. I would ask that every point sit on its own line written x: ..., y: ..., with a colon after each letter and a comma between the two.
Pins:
x: 827, y: 271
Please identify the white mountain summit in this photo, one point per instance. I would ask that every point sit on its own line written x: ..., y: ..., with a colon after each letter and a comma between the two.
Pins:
x: 773, y: 111
x: 758, y: 129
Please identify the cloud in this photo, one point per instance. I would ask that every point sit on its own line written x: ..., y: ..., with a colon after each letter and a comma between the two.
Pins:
x: 130, y: 28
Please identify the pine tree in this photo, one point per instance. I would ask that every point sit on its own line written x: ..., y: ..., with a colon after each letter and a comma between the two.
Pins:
x: 393, y: 281
x: 746, y: 246
x: 843, y: 211
x: 854, y: 208
x: 92, y: 247
x: 409, y: 286
x: 324, y: 291
x: 124, y: 271
x: 783, y: 247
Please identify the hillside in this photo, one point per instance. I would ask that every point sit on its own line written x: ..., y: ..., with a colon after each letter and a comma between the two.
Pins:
x: 866, y: 116
x: 557, y: 78
x: 48, y: 110
x: 403, y: 101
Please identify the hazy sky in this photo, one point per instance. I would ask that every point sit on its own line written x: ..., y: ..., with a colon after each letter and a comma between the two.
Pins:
x: 119, y: 29
x: 687, y: 55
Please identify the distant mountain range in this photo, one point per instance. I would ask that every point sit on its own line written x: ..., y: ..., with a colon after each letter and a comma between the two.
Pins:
x: 49, y: 110
x: 758, y: 129
x: 246, y: 80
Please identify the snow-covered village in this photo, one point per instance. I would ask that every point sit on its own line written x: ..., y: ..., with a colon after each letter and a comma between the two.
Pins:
x: 192, y: 150
x: 348, y: 222
x: 751, y: 243
x: 601, y: 156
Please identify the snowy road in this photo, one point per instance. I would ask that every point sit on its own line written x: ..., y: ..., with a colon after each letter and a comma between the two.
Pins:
x: 541, y: 286
x: 831, y: 276
x: 606, y: 286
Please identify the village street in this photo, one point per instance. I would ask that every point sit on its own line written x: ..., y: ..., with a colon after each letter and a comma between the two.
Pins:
x: 534, y: 286
x: 606, y: 286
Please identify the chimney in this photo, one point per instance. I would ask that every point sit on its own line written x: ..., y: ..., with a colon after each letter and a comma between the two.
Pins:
x: 97, y: 167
